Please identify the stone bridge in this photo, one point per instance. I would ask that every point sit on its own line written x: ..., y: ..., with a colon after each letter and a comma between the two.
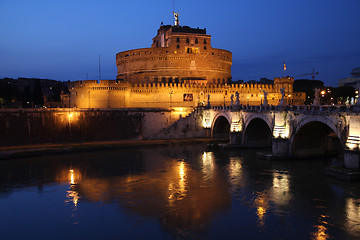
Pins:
x: 291, y: 131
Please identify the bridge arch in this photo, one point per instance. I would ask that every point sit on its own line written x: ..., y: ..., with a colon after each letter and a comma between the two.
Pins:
x: 314, y: 137
x: 221, y: 126
x: 257, y: 132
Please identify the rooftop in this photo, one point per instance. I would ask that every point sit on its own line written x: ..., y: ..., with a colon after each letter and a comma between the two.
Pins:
x: 183, y: 29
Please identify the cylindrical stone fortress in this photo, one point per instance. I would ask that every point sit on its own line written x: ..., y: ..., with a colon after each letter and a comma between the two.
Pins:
x: 179, y: 54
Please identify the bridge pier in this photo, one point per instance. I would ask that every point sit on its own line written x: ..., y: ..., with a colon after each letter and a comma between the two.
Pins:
x: 352, y: 159
x: 235, y: 138
x: 280, y: 147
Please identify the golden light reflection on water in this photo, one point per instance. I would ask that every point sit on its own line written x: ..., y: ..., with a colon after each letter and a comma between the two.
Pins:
x: 72, y: 195
x: 279, y: 194
x: 178, y: 187
x: 280, y: 190
x: 208, y: 165
x: 352, y: 209
x: 320, y: 229
x: 235, y: 172
x: 261, y: 205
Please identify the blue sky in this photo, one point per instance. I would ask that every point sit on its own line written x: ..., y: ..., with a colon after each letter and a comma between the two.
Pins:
x: 62, y: 40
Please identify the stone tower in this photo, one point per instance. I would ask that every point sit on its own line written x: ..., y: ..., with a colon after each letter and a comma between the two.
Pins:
x: 178, y: 54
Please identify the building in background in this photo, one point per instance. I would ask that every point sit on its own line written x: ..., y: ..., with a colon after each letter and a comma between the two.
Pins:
x: 353, y: 81
x: 31, y: 92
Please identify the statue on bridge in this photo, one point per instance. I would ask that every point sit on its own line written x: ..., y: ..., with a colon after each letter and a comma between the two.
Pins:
x: 265, y: 102
x: 317, y: 97
x: 208, y: 101
x: 232, y: 100
x: 282, y: 100
x: 237, y: 101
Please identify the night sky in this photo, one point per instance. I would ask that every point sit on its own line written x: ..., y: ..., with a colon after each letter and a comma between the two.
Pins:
x: 62, y: 40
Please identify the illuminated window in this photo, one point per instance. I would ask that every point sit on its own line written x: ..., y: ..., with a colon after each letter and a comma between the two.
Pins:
x: 192, y: 50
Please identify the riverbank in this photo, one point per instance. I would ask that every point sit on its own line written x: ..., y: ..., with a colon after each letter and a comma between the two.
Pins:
x: 13, y: 152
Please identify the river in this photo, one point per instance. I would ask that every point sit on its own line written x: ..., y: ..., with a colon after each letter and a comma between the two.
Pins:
x: 177, y: 192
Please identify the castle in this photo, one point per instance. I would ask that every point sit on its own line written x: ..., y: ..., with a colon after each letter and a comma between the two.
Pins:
x: 179, y: 70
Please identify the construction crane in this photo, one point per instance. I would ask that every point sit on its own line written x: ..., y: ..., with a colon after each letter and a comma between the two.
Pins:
x: 306, y: 74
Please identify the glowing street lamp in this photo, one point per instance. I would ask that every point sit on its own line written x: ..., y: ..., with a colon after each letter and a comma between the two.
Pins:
x: 322, y: 93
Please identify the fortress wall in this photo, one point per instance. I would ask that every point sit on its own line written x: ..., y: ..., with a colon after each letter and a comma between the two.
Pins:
x: 39, y: 126
x: 157, y: 95
x: 153, y: 64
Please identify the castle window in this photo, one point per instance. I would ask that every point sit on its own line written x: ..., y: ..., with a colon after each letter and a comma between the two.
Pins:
x: 204, y: 41
x: 192, y: 50
x: 177, y: 39
x: 178, y: 46
x: 187, y: 40
x: 204, y: 47
x: 196, y: 40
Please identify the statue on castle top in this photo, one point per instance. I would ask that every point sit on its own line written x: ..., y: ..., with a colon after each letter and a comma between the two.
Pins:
x: 232, y: 100
x: 317, y: 97
x: 237, y: 101
x: 265, y: 102
x: 177, y: 21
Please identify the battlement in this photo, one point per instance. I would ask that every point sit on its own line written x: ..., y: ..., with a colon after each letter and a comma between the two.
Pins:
x: 104, y: 84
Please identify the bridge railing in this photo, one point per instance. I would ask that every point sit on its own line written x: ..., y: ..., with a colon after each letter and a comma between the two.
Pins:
x: 253, y: 108
x: 321, y: 108
x: 296, y: 108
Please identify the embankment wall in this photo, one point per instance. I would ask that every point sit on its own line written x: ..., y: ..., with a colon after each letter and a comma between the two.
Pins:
x: 41, y: 126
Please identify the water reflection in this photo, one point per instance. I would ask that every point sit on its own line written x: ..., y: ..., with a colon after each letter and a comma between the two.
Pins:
x: 261, y: 204
x: 235, y: 173
x: 352, y: 209
x: 191, y: 194
x: 173, y: 192
x: 177, y: 187
x: 280, y: 190
x: 320, y: 232
x: 72, y: 195
x: 208, y: 165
